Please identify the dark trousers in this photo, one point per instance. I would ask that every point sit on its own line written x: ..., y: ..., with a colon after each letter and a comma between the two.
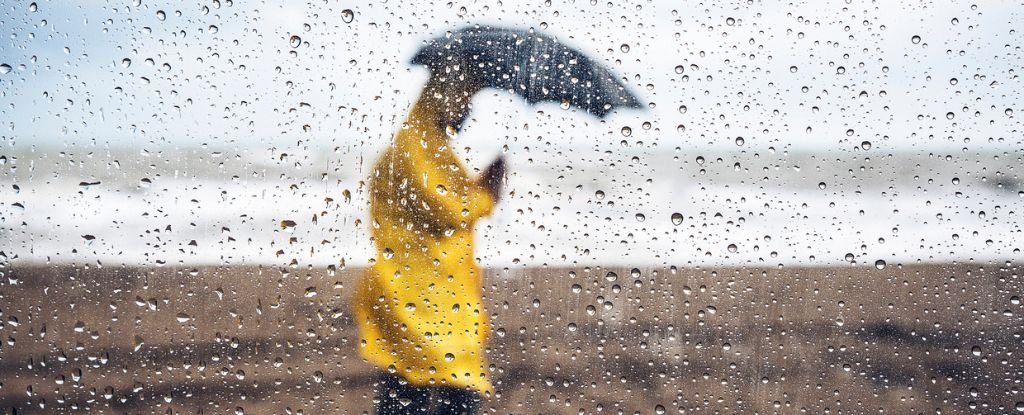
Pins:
x: 398, y: 397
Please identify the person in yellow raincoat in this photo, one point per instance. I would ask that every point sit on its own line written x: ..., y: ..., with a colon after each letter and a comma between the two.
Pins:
x: 419, y: 307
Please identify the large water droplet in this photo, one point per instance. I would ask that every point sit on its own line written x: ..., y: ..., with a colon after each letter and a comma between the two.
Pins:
x: 5, y: 68
x: 347, y: 15
x: 295, y: 41
x: 915, y: 39
x: 677, y: 218
x: 880, y: 264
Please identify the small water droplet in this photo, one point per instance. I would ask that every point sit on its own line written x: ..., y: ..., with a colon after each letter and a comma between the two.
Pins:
x: 730, y: 21
x: 626, y: 131
x: 347, y: 15
x: 740, y: 141
x: 880, y: 264
x: 160, y: 15
x: 5, y: 68
x: 677, y: 218
x: 915, y: 39
x: 126, y: 62
x: 679, y: 69
x: 295, y: 41
x: 733, y: 248
x: 865, y: 145
x: 624, y: 48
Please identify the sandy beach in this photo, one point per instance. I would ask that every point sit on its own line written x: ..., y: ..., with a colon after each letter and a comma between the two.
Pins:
x: 903, y: 339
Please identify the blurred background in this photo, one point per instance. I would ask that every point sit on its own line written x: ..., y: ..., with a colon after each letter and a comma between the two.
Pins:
x: 812, y: 189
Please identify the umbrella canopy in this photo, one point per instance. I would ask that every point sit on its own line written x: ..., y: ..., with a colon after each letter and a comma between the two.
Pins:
x: 535, y: 66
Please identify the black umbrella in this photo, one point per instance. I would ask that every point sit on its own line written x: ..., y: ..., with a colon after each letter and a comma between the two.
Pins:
x: 535, y: 66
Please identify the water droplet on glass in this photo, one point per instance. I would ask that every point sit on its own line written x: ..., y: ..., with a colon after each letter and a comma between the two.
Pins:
x: 865, y: 145
x: 880, y: 264
x: 33, y: 7
x: 183, y: 318
x: 679, y: 69
x: 126, y: 62
x: 822, y: 185
x: 915, y: 39
x: 347, y: 15
x: 4, y: 68
x: 730, y: 21
x: 792, y: 69
x: 640, y: 217
x: 740, y: 141
x: 976, y: 350
x: 624, y: 48
x: 733, y: 248
x: 677, y: 218
x: 682, y: 109
x: 449, y: 357
x: 626, y: 131
x: 160, y: 15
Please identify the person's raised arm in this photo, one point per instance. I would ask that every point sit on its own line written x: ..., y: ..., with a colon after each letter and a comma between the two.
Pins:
x: 449, y: 196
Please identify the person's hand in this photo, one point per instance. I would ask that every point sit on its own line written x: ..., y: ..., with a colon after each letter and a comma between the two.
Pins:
x: 494, y: 177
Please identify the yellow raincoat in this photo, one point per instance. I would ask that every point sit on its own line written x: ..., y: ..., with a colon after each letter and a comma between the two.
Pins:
x: 419, y: 307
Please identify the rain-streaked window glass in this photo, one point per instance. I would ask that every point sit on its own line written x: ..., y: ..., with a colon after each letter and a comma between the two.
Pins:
x: 501, y: 207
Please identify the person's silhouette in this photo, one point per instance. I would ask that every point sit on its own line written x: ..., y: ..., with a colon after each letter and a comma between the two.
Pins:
x: 419, y: 307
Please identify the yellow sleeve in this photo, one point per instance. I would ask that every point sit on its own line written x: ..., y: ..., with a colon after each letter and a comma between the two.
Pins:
x: 448, y: 194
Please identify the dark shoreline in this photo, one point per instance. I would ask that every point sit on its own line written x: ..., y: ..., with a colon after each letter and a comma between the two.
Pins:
x: 905, y: 339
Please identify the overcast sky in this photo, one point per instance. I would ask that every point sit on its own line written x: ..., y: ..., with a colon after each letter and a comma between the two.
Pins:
x: 801, y: 75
